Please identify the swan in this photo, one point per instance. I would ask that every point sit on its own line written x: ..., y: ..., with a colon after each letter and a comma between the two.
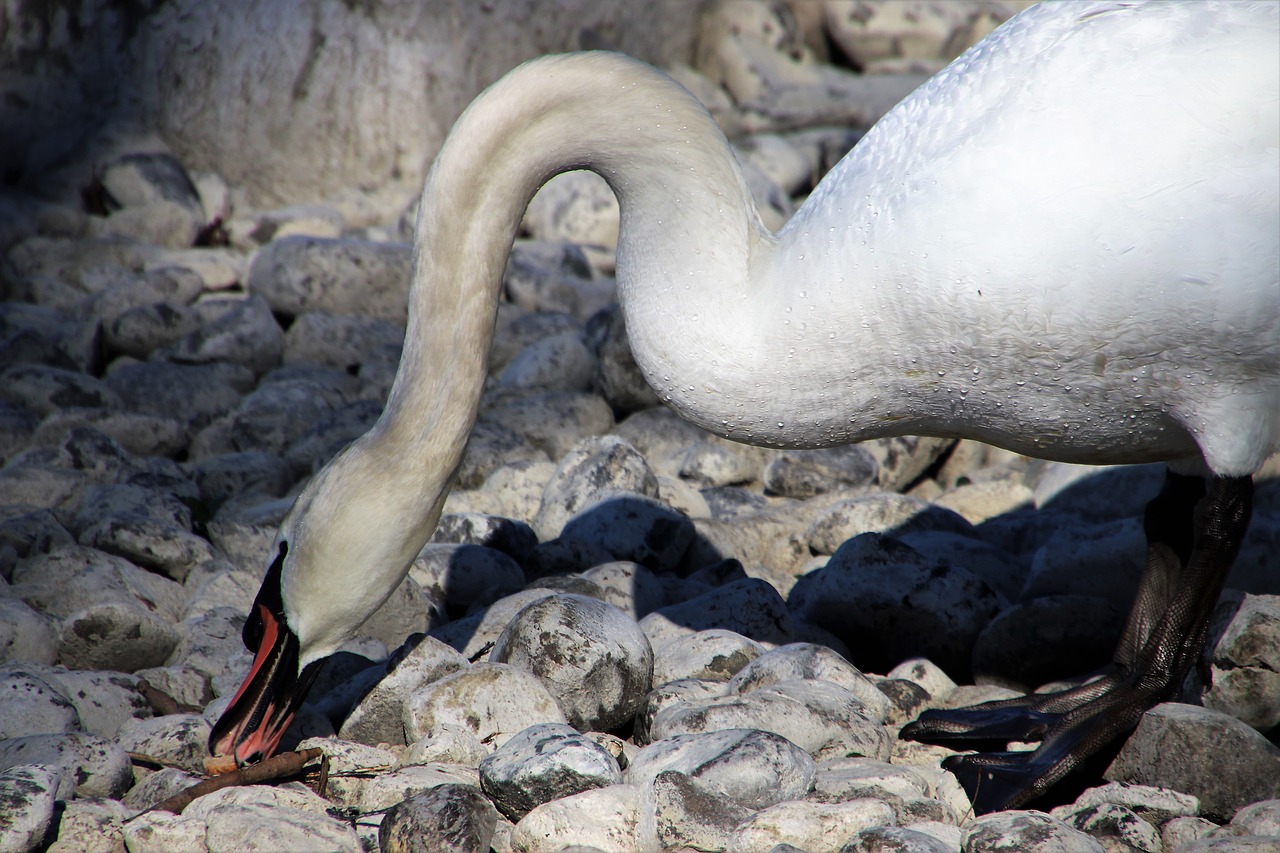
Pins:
x: 1065, y: 243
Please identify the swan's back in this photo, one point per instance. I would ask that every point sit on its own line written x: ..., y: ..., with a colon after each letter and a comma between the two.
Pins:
x: 1093, y: 192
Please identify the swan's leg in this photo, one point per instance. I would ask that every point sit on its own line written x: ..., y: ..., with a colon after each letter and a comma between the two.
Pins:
x: 1186, y: 567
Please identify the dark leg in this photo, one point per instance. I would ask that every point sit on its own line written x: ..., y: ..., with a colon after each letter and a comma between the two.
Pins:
x: 1193, y: 534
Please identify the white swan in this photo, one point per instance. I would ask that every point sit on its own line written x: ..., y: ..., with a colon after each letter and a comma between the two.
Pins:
x: 1065, y: 244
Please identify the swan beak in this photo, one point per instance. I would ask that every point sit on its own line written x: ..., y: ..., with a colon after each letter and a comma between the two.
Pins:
x: 251, y: 727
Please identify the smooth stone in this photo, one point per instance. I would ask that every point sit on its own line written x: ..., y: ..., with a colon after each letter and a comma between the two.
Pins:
x: 843, y: 779
x: 750, y: 607
x: 603, y: 818
x: 923, y: 672
x: 1039, y: 640
x: 212, y: 644
x: 1104, y: 559
x: 195, y: 393
x: 899, y: 839
x: 1244, y: 663
x: 1115, y: 825
x: 554, y: 421
x: 281, y: 410
x: 329, y: 434
x: 890, y: 514
x: 104, y: 701
x: 445, y: 819
x: 595, y: 465
x: 1155, y: 805
x: 92, y: 766
x: 669, y: 694
x: 542, y: 763
x: 679, y: 813
x: 709, y: 464
x: 889, y: 603
x: 342, y: 341
x: 378, y: 717
x: 116, y: 635
x: 493, y: 700
x: 163, y: 832
x: 490, y: 447
x: 1180, y: 833
x: 632, y: 527
x: 465, y: 577
x: 628, y: 586
x: 268, y: 826
x: 558, y: 363
x: 514, y: 538
x: 142, y: 329
x: 28, y: 795
x: 475, y: 634
x: 574, y: 207
x: 1027, y: 832
x: 823, y: 718
x: 181, y: 740
x: 808, y: 825
x: 1198, y: 751
x: 808, y: 661
x: 752, y: 768
x: 1261, y: 818
x: 593, y: 658
x: 90, y: 826
x: 806, y: 473
x: 1003, y: 571
x: 33, y: 704
x: 299, y: 274
x: 25, y: 635
x: 408, y: 611
x: 713, y: 655
x: 552, y: 276
x: 446, y: 744
x: 43, y: 390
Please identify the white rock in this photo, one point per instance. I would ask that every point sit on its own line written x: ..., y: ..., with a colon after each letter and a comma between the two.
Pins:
x: 816, y: 827
x: 713, y: 655
x: 493, y: 700
x: 28, y: 793
x: 603, y: 818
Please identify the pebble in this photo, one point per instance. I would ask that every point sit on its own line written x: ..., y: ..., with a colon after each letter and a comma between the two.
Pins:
x: 602, y: 818
x: 544, y: 763
x: 1027, y: 832
x: 594, y: 466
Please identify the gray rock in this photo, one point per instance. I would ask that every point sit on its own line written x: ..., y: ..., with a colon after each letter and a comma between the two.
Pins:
x: 28, y: 795
x: 408, y: 611
x: 142, y: 329
x: 296, y: 275
x: 596, y: 465
x: 475, y: 634
x: 709, y: 463
x: 900, y: 839
x: 679, y: 813
x: 889, y: 603
x: 604, y: 819
x: 446, y: 819
x: 618, y: 378
x: 809, y: 825
x: 1202, y: 752
x: 145, y: 179
x: 558, y: 363
x: 378, y: 717
x: 1155, y: 805
x: 628, y: 586
x: 554, y: 421
x: 751, y: 768
x: 242, y: 475
x: 547, y: 276
x: 490, y: 446
x: 673, y: 693
x: 1181, y: 832
x: 33, y: 705
x: 750, y: 607
x: 104, y: 701
x: 900, y: 460
x: 269, y: 826
x: 17, y: 426
x: 805, y: 473
x: 331, y: 432
x: 140, y: 435
x: 543, y: 763
x: 465, y: 577
x: 25, y: 635
x: 820, y: 717
x: 282, y: 410
x: 1244, y: 662
x: 1231, y: 844
x: 146, y: 527
x: 195, y: 393
x: 73, y: 578
x: 513, y: 538
x: 43, y: 389
x: 1039, y: 640
x: 1029, y: 831
x: 848, y: 778
x: 386, y: 788
x: 728, y: 503
x: 593, y: 658
x: 115, y: 635
x: 211, y: 643
x: 1003, y: 571
x: 31, y: 485
x: 239, y: 331
x: 30, y: 531
x: 576, y: 207
x: 162, y: 832
x: 632, y: 527
x: 90, y: 826
x: 91, y: 766
x: 807, y: 661
x: 1262, y: 818
x: 493, y: 700
x: 518, y: 327
x: 897, y: 515
x: 1105, y: 559
x: 180, y: 740
x: 712, y: 655
x: 1115, y: 825
x: 343, y: 341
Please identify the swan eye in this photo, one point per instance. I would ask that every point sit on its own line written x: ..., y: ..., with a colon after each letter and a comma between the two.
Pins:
x: 270, y: 597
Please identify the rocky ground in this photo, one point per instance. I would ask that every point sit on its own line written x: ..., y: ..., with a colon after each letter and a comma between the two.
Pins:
x: 627, y: 634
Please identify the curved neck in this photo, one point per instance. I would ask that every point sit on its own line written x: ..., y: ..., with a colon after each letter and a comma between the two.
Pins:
x: 689, y: 227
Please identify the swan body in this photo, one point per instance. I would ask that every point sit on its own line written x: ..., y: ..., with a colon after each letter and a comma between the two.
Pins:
x: 1064, y: 244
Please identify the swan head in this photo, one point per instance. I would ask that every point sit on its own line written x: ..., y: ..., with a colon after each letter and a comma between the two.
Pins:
x: 344, y: 547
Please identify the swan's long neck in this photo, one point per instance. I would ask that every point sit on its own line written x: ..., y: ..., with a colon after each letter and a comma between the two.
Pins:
x: 689, y: 228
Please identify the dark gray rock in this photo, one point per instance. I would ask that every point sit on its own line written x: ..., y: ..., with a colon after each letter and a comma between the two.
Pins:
x: 195, y: 393
x: 297, y: 275
x: 888, y: 603
x: 596, y: 465
x: 513, y: 538
x: 592, y: 657
x: 236, y: 331
x: 1102, y: 559
x: 1198, y: 751
x: 618, y: 378
x: 805, y: 473
x: 139, y: 435
x: 445, y: 819
x: 554, y: 421
x: 252, y: 473
x: 490, y: 446
x: 466, y: 577
x: 543, y: 763
x: 896, y: 515
x: 558, y: 363
x: 140, y: 330
x: 750, y: 607
x: 1047, y: 638
x: 632, y: 527
x: 42, y: 389
x: 343, y: 341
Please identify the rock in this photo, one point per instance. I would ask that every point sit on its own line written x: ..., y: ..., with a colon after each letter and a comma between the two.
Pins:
x: 805, y: 473
x: 25, y: 635
x: 1003, y: 571
x: 852, y: 778
x: 342, y: 341
x: 550, y: 276
x: 594, y: 659
x: 384, y: 789
x: 245, y: 475
x: 896, y: 515
x: 181, y: 740
x: 446, y: 744
x: 90, y: 766
x: 807, y: 661
x: 751, y: 768
x: 33, y: 705
x: 104, y: 701
x: 379, y: 715
x: 628, y: 586
x: 713, y: 655
x: 147, y: 527
x: 139, y: 330
x: 197, y: 394
x: 1105, y: 559
x: 808, y: 825
x: 296, y: 275
x: 1029, y: 831
x: 1244, y: 662
x: 410, y: 610
x: 140, y: 435
x: 446, y: 819
x: 475, y: 634
x: 1155, y: 805
x: 596, y: 465
x: 138, y: 181
x: 1034, y: 642
x: 115, y: 635
x: 750, y: 607
x: 676, y: 812
x: 889, y: 603
x: 1181, y: 832
x: 980, y: 501
x: 465, y: 577
x: 712, y: 463
x: 269, y: 826
x: 513, y: 538
x: 900, y: 839
x: 901, y: 459
x: 558, y: 363
x: 162, y: 832
x: 543, y: 763
x: 239, y: 331
x: 632, y: 527
x: 673, y: 693
x: 90, y: 826
x: 43, y: 389
x: 493, y: 700
x: 554, y: 421
x: 602, y: 818
x: 575, y: 207
x: 1261, y: 818
x: 1114, y: 825
x: 618, y: 378
x: 27, y: 794
x: 1201, y: 752
x: 820, y: 717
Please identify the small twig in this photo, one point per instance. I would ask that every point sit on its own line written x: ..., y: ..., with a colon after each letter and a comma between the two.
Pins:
x: 322, y: 783
x: 162, y: 703
x: 276, y: 767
